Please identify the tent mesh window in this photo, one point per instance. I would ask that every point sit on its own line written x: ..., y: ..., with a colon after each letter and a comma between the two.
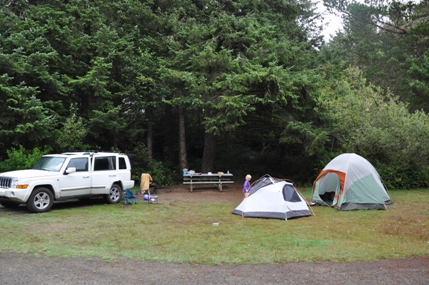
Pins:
x: 289, y: 194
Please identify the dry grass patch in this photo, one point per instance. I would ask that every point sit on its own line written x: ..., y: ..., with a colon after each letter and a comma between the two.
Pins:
x: 410, y: 223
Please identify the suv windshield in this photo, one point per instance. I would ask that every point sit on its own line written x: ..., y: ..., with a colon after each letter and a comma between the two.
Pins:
x: 49, y: 163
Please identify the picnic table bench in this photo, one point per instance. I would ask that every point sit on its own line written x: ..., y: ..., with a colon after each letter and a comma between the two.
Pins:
x: 205, y: 178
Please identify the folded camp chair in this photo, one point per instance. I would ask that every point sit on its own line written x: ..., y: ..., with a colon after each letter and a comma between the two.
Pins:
x: 130, y: 197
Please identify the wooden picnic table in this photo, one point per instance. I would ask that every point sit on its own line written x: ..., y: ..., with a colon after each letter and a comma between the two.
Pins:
x: 206, y: 178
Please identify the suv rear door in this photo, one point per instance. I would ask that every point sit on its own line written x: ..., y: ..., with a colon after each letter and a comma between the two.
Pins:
x: 104, y: 173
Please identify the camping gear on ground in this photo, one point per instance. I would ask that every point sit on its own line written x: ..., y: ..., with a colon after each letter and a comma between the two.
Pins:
x: 350, y: 182
x: 147, y: 188
x: 130, y: 197
x: 150, y: 199
x: 273, y: 198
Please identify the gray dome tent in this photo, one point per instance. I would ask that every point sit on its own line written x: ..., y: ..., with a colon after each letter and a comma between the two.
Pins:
x: 273, y: 198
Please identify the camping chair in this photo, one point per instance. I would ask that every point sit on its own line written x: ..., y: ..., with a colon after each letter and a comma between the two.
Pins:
x: 130, y: 197
x: 153, y: 185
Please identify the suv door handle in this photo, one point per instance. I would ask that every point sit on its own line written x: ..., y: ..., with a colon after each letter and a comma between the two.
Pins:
x: 86, y: 177
x: 112, y: 175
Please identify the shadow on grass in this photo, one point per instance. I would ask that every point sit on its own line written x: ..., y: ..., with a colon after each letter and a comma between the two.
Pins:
x: 58, y: 205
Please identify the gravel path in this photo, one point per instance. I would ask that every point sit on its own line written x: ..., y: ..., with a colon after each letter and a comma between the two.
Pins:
x: 23, y: 269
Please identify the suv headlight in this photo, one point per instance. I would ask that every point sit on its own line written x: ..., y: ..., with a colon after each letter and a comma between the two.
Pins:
x: 14, y: 182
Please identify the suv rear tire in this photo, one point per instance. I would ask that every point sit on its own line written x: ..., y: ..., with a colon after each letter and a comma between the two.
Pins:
x: 41, y: 200
x: 115, y: 194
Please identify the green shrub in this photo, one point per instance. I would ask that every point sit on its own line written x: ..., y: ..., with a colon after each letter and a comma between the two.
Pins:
x: 404, y: 176
x: 22, y: 158
x: 161, y: 174
x: 375, y: 124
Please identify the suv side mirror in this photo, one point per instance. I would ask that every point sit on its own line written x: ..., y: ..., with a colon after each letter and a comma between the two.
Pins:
x: 70, y: 170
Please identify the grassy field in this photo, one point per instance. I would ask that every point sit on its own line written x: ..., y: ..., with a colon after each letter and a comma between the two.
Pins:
x: 183, y: 231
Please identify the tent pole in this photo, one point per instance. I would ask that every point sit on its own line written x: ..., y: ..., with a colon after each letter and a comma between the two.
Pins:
x: 311, y: 210
x: 305, y: 201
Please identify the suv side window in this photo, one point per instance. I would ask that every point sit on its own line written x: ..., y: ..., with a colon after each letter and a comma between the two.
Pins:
x: 81, y: 164
x: 122, y: 163
x: 105, y: 163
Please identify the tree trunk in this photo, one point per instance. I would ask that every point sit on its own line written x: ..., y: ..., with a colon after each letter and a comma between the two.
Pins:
x: 182, y: 140
x: 115, y: 140
x: 170, y: 133
x: 149, y: 138
x: 209, y: 153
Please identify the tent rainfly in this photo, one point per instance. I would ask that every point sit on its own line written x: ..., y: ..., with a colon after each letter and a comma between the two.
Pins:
x: 350, y: 182
x: 273, y: 198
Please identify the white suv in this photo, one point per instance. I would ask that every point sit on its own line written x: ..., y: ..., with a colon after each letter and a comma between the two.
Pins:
x: 73, y: 175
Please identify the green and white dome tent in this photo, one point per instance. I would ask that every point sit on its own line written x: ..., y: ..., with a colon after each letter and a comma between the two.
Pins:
x: 350, y: 182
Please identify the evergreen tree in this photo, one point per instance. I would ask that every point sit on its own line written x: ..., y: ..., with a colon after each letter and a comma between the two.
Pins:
x: 233, y: 59
x: 388, y: 41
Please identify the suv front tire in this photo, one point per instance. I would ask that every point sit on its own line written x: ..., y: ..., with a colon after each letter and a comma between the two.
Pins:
x: 41, y: 200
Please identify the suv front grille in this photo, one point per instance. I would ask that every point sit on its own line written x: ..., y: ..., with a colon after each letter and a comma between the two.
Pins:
x: 5, y: 182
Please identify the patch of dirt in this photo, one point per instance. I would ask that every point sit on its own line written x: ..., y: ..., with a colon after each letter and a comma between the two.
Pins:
x: 201, y: 194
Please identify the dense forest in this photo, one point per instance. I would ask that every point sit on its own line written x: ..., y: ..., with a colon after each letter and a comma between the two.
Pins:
x: 249, y: 86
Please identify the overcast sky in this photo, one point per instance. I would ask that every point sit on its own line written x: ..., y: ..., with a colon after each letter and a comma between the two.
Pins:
x: 332, y: 22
